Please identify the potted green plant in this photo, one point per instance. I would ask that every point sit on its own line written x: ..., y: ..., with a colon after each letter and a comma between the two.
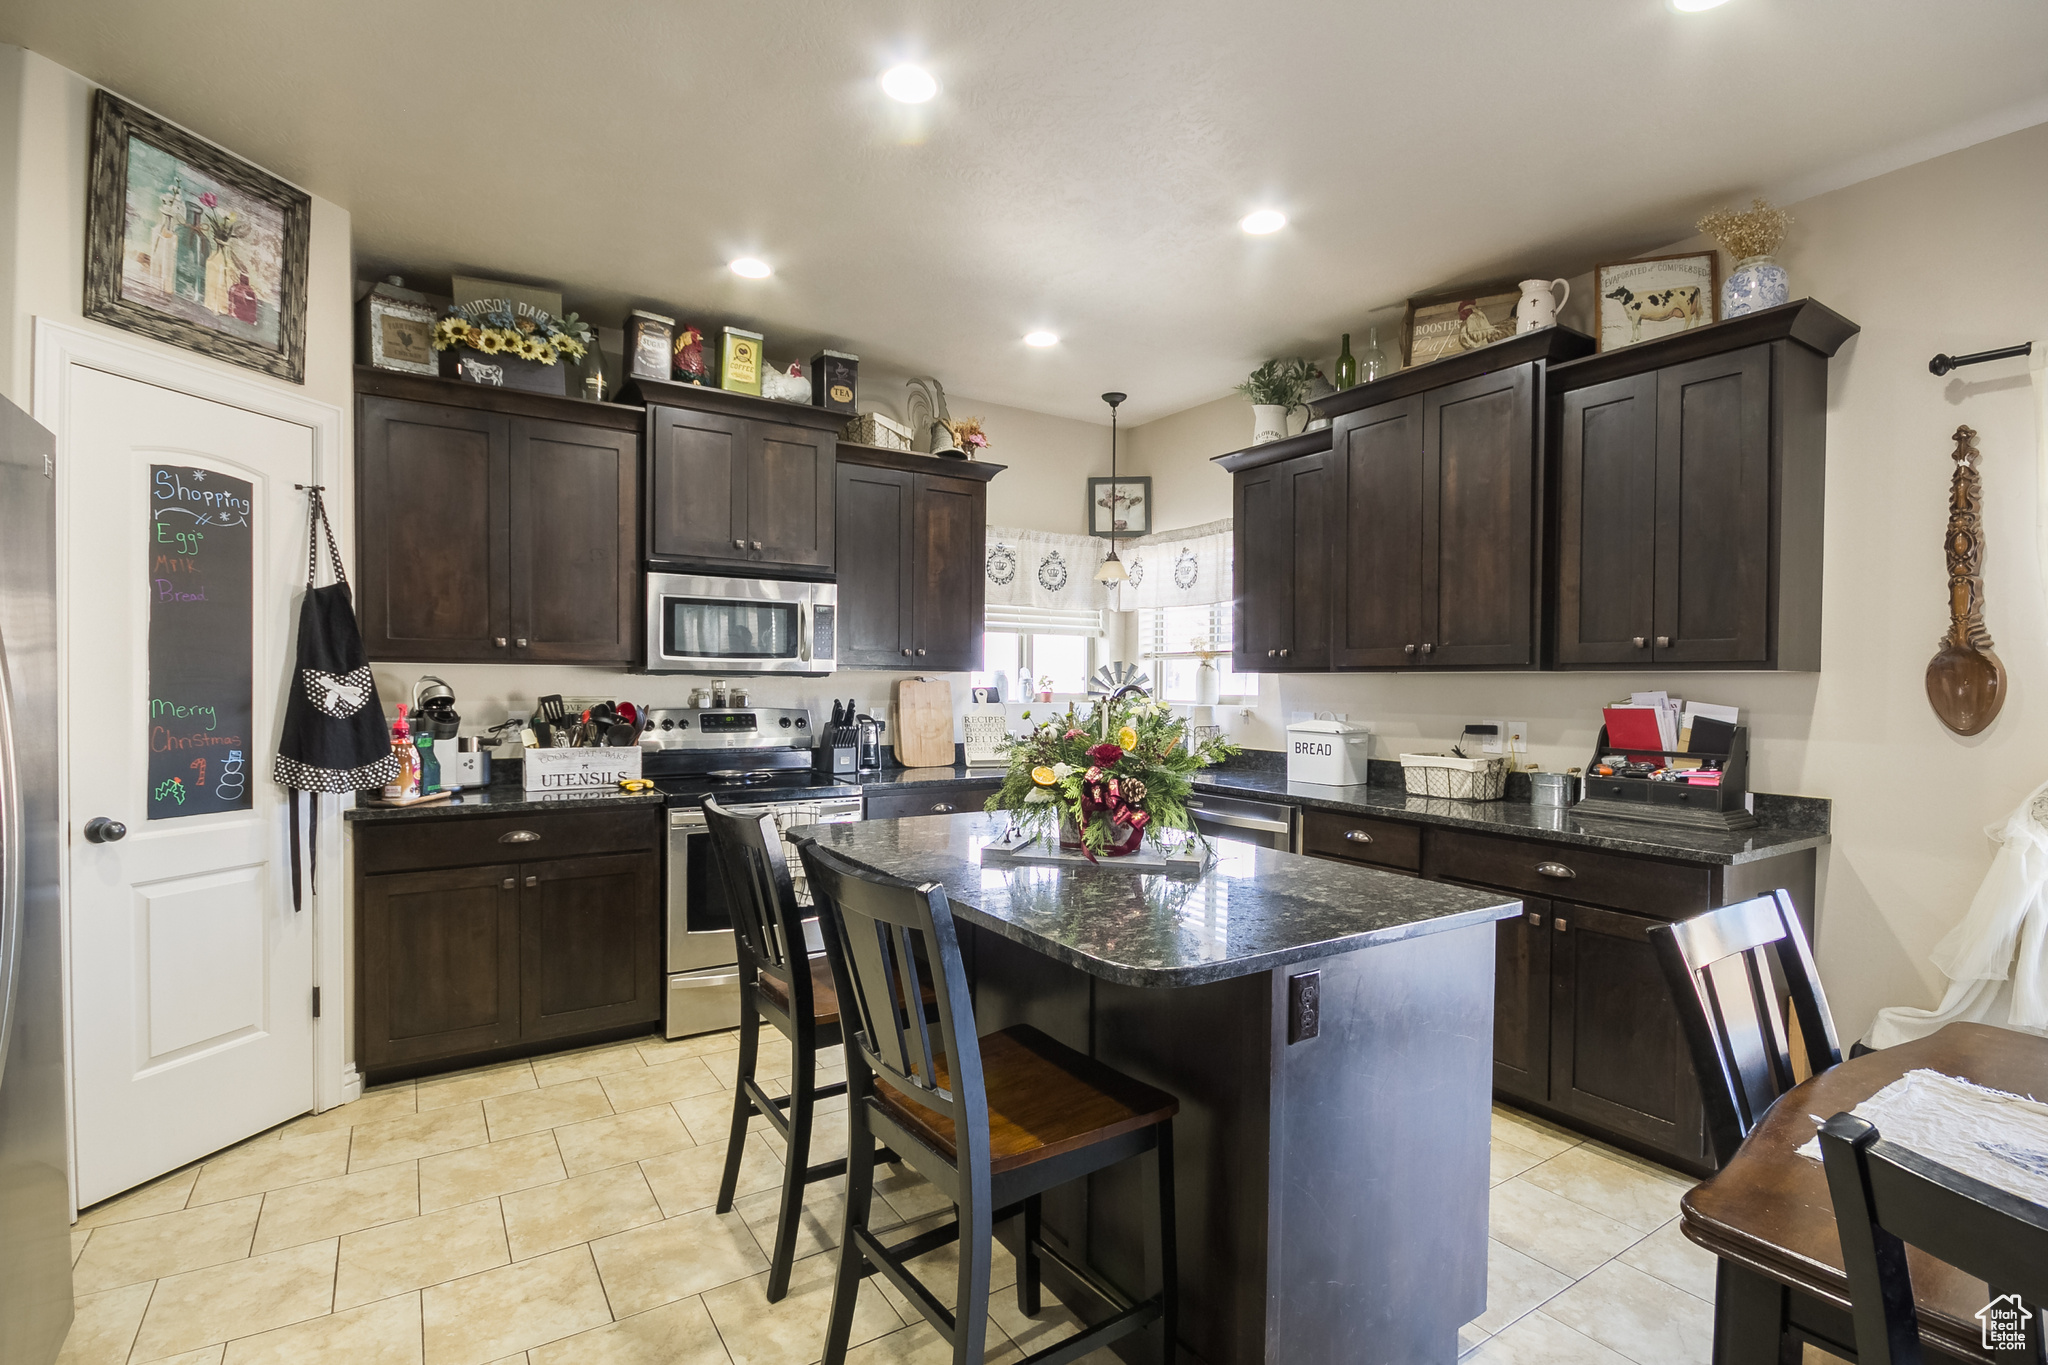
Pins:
x: 1276, y: 389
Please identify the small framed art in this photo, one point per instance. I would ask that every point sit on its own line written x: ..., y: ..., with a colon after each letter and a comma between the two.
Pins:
x: 1120, y: 507
x: 1658, y: 297
x: 191, y: 245
x: 1439, y: 325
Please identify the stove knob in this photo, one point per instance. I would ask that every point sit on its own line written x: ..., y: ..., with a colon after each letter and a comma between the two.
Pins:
x: 802, y: 724
x: 683, y: 724
x: 668, y: 725
x: 785, y: 722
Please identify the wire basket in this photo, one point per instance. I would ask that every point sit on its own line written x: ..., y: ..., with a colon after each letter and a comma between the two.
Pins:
x: 1453, y: 778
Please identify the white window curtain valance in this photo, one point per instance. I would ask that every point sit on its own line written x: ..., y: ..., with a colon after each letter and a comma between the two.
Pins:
x: 1044, y: 570
x: 1190, y: 567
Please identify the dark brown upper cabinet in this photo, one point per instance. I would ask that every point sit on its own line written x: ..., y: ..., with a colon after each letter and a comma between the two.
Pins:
x: 912, y: 535
x: 1690, y: 474
x: 1280, y: 536
x: 493, y: 525
x: 738, y: 484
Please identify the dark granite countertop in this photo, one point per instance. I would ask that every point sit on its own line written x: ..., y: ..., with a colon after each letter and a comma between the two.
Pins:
x: 1253, y: 910
x: 1784, y: 824
x: 503, y: 798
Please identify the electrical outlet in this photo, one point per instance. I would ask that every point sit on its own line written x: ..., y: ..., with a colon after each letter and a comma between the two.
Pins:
x: 1478, y: 738
x: 1518, y: 737
x: 1304, y: 1006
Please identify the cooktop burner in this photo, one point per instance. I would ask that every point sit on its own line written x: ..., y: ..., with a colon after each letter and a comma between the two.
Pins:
x: 733, y: 777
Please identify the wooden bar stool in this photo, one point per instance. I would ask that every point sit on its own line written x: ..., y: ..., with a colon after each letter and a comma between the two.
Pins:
x: 992, y: 1122
x: 782, y: 983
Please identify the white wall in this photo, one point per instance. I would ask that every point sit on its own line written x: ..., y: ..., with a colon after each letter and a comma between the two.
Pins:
x: 1948, y: 255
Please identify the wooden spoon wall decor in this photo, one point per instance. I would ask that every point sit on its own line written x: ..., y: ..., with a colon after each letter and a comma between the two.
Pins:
x: 1965, y: 680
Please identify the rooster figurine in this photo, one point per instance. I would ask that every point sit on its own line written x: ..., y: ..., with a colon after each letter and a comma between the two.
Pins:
x: 690, y: 365
x: 788, y: 386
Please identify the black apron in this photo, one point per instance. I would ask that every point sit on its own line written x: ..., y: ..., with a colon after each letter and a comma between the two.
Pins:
x: 334, y: 738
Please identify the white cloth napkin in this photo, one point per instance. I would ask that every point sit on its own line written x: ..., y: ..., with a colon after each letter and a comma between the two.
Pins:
x: 1994, y: 1137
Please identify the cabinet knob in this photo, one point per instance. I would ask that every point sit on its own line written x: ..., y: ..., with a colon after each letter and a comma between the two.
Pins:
x: 1536, y: 918
x: 1640, y: 642
x: 1407, y: 649
x: 1663, y: 642
x: 739, y: 545
x: 533, y: 881
x: 1427, y: 646
x: 757, y: 544
x: 519, y: 836
x: 499, y: 642
x: 906, y: 653
x: 1358, y: 836
x: 1558, y: 924
x: 942, y: 807
x: 509, y: 883
x: 1558, y: 870
x: 101, y: 830
x: 1283, y: 653
x: 1272, y: 653
x: 920, y: 653
x: 521, y: 642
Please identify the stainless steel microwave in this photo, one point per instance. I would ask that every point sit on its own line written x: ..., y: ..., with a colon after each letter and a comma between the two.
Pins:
x: 740, y: 625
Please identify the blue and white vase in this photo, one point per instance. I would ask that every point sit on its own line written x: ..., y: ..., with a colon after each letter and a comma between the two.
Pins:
x: 1756, y: 283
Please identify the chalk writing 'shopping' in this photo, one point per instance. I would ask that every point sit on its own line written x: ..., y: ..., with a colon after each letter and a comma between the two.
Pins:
x: 170, y: 789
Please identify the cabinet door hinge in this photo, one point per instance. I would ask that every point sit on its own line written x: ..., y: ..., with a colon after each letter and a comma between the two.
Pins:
x: 316, y: 1002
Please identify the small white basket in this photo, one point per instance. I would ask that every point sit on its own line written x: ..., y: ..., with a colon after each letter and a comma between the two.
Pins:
x: 1454, y: 778
x: 873, y: 429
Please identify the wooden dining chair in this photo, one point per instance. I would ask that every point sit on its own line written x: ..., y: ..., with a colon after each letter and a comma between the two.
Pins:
x: 992, y: 1122
x: 782, y: 983
x: 1886, y: 1197
x: 1726, y: 969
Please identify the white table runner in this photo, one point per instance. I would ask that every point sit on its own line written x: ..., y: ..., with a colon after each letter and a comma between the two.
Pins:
x: 1994, y: 1137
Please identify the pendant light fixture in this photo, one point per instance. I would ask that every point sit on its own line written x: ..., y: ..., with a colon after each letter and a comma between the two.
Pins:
x: 1112, y: 570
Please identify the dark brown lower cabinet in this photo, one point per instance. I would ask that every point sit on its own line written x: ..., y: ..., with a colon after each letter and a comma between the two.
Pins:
x: 1617, y: 1056
x: 483, y: 959
x: 589, y: 953
x: 1521, y: 1002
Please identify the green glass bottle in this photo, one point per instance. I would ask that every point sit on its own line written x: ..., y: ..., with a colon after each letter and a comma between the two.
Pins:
x: 1347, y: 368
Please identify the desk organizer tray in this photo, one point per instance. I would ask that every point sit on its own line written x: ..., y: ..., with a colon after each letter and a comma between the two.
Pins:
x: 1722, y: 807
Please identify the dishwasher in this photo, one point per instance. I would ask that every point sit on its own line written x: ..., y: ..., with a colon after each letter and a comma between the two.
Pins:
x: 1234, y: 819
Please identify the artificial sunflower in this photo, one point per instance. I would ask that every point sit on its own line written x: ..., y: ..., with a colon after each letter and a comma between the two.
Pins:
x: 528, y: 348
x: 543, y: 352
x: 486, y: 339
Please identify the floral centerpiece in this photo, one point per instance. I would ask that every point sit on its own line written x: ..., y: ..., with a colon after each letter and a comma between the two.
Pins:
x: 495, y: 328
x: 1106, y: 780
x: 968, y: 435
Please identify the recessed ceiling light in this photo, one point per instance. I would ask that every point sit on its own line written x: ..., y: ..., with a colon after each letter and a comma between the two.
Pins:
x: 911, y: 84
x: 1263, y: 221
x: 1041, y: 339
x: 747, y: 267
x: 1694, y: 6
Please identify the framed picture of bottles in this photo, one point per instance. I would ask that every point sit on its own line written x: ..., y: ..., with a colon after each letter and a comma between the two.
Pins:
x: 189, y: 244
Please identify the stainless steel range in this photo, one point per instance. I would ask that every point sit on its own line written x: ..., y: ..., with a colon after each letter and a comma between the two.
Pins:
x: 750, y: 758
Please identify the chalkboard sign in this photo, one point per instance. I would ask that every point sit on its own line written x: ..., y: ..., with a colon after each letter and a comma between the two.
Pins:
x: 201, y: 634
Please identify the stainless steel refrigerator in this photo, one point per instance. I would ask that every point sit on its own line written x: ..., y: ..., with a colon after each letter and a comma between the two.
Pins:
x: 35, y: 1198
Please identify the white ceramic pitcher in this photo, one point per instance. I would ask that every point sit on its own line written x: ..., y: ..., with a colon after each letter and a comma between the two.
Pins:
x: 1541, y: 302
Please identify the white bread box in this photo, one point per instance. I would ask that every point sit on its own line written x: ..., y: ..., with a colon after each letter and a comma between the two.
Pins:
x: 1332, y: 752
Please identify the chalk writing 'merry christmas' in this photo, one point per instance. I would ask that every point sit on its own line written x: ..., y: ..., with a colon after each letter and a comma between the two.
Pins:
x: 201, y: 618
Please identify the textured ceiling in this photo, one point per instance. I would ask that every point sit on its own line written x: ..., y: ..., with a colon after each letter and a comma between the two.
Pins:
x: 1083, y: 168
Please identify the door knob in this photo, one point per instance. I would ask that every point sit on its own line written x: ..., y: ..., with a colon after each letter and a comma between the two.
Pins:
x: 101, y: 830
x: 1663, y: 642
x: 1640, y: 642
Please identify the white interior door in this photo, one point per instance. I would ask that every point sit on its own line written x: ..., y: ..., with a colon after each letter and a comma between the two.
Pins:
x: 191, y: 974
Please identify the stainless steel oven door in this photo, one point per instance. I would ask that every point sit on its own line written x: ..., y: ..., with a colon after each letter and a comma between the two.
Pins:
x: 1266, y: 824
x: 699, y: 912
x: 698, y: 624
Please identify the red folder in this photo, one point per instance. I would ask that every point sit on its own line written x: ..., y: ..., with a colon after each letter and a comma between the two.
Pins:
x: 1633, y: 729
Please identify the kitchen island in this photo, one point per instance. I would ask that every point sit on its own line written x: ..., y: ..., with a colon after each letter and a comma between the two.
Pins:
x: 1328, y: 1030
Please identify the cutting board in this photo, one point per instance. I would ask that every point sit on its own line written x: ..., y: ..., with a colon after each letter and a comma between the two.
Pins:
x: 924, y: 723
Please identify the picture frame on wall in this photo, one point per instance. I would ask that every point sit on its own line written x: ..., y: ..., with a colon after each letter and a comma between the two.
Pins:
x: 191, y: 245
x: 1120, y: 507
x: 1451, y: 323
x: 1658, y: 296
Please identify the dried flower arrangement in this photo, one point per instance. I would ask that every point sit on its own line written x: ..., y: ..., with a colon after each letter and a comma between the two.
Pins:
x: 501, y: 328
x: 1755, y: 231
x: 968, y: 435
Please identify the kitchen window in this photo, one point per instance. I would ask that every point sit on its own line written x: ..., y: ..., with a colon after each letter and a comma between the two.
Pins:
x: 1024, y: 645
x: 1172, y: 639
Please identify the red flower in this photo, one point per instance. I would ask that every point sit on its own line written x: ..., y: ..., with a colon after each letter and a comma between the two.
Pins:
x: 210, y: 199
x: 1073, y: 734
x: 1106, y: 754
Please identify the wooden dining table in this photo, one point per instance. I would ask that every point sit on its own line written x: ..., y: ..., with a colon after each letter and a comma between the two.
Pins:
x: 1767, y: 1213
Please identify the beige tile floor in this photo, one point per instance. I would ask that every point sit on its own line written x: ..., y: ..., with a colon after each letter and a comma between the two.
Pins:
x: 559, y: 1212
